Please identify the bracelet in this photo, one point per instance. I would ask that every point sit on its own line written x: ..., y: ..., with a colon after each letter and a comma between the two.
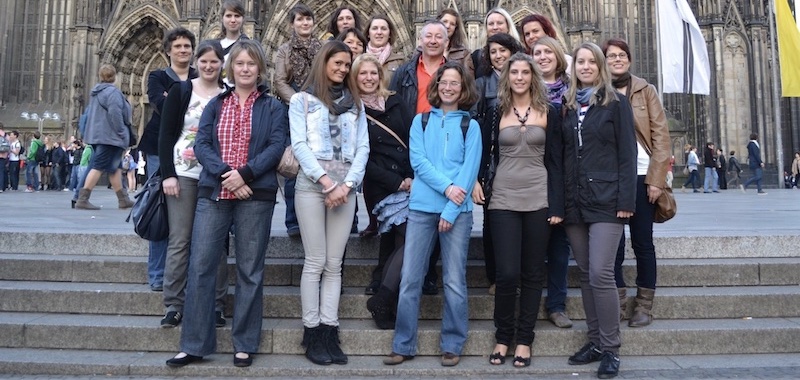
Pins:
x: 328, y: 190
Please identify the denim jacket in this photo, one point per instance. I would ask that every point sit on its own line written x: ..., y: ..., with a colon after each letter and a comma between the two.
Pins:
x: 311, y: 137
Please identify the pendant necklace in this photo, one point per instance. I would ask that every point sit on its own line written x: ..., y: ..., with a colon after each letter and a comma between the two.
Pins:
x: 522, y: 119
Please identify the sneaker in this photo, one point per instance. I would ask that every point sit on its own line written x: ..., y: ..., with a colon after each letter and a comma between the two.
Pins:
x: 741, y: 187
x: 609, y: 365
x: 157, y: 287
x: 172, y: 319
x: 762, y: 193
x: 587, y: 354
x: 29, y: 190
x: 683, y: 189
x: 219, y: 319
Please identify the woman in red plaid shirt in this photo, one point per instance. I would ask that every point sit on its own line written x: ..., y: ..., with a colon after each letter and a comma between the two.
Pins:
x: 239, y: 142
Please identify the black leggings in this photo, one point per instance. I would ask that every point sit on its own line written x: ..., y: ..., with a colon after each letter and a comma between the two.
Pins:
x: 520, y: 246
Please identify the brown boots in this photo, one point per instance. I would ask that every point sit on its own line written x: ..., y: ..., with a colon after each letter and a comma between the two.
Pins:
x: 623, y: 303
x: 83, y: 200
x: 124, y: 200
x: 643, y: 306
x: 84, y: 194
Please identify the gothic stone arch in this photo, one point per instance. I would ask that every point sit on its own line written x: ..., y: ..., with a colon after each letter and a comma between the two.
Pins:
x: 133, y: 43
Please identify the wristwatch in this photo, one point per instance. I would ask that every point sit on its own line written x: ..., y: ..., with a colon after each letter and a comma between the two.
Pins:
x: 349, y: 184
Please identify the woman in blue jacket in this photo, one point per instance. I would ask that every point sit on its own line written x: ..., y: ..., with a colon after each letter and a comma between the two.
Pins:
x: 445, y: 152
x: 594, y: 180
x: 331, y: 142
x: 239, y: 142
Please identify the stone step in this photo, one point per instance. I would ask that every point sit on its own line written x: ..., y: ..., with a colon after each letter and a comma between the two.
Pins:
x: 284, y: 301
x: 358, y: 272
x: 281, y: 246
x: 359, y: 337
x: 26, y: 361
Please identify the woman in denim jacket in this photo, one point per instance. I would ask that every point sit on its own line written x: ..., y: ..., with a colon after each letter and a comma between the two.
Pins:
x: 330, y: 140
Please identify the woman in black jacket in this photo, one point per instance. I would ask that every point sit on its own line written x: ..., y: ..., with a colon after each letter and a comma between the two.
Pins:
x: 594, y: 179
x: 180, y: 172
x: 388, y: 172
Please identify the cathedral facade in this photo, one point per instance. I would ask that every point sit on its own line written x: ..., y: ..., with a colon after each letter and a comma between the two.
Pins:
x: 53, y: 48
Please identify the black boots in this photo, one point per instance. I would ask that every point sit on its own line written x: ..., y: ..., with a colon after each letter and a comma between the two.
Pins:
x: 322, y: 345
x: 332, y: 342
x: 382, y: 307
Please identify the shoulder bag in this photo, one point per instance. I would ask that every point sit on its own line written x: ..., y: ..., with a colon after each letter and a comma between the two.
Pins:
x: 666, y: 208
x: 288, y: 165
x: 149, y: 211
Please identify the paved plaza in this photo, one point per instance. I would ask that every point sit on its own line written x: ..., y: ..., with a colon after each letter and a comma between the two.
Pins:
x: 729, y: 213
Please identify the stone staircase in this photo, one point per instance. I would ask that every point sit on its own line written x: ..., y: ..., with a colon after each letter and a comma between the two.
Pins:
x: 88, y: 311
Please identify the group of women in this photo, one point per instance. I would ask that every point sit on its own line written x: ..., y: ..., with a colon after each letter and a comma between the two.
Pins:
x: 541, y: 140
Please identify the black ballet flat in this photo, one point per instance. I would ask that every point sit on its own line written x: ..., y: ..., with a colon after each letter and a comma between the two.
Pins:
x: 180, y: 362
x: 243, y: 362
x: 497, y: 356
x: 521, y: 362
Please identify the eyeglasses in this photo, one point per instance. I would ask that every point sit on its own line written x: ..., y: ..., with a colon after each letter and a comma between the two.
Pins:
x: 613, y: 57
x: 453, y: 84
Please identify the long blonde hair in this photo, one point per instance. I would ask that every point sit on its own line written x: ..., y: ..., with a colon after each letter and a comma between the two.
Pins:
x: 383, y: 87
x: 603, y: 89
x: 537, y: 90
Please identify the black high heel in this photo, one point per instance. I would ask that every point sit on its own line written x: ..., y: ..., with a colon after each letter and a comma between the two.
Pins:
x: 73, y: 202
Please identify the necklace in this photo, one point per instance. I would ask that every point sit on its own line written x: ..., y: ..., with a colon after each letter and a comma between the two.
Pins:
x: 522, y: 119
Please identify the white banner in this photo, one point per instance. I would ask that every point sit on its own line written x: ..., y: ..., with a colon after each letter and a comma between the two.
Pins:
x: 684, y: 56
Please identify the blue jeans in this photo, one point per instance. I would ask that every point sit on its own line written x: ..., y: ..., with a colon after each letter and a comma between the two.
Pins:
x: 74, y: 177
x: 557, y: 265
x: 711, y: 181
x: 252, y: 222
x: 157, y: 257
x: 758, y: 173
x: 291, y: 216
x: 81, y: 173
x: 693, y: 179
x: 421, y: 233
x: 32, y: 175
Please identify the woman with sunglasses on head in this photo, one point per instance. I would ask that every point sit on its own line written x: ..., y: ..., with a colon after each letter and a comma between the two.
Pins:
x: 331, y: 142
x: 652, y: 164
x: 594, y: 181
x: 518, y: 206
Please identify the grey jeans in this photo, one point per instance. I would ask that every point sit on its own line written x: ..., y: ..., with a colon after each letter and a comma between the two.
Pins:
x: 325, y: 233
x: 594, y: 247
x: 180, y: 211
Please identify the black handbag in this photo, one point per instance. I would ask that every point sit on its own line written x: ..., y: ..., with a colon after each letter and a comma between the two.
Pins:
x: 491, y: 166
x: 149, y: 212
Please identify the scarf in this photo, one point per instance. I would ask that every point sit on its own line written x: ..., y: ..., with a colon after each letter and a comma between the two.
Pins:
x: 343, y: 99
x: 623, y: 81
x: 584, y: 95
x: 374, y: 102
x: 303, y: 52
x: 556, y: 91
x: 381, y: 53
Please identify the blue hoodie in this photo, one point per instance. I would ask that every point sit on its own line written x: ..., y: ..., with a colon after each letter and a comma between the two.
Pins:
x: 440, y: 157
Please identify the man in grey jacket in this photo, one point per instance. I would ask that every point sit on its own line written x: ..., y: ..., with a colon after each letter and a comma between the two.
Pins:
x: 108, y: 130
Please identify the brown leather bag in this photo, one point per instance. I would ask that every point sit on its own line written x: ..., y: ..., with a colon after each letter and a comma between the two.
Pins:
x: 666, y: 207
